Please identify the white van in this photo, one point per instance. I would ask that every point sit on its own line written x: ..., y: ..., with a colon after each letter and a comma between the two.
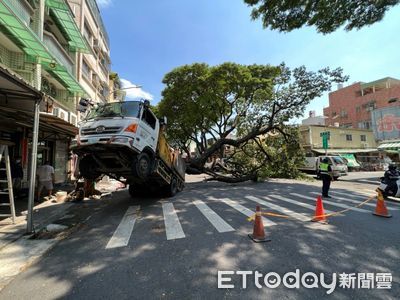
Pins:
x: 338, y: 165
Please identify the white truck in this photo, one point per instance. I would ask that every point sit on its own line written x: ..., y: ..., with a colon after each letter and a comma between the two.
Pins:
x: 339, y: 167
x: 126, y: 139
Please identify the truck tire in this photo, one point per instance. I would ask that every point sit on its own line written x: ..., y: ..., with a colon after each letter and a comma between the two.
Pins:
x: 172, y: 189
x: 142, y: 166
x: 87, y: 168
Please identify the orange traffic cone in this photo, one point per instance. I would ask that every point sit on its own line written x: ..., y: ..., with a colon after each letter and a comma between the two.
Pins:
x: 380, y: 209
x: 258, y: 235
x: 319, y: 211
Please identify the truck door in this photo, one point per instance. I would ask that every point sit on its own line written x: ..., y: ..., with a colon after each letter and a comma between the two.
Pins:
x: 148, y: 130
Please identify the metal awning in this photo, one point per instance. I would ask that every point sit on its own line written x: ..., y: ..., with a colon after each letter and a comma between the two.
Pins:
x: 55, y: 123
x: 66, y: 78
x: 27, y: 40
x: 62, y: 15
x: 343, y: 151
x: 393, y: 146
x: 22, y: 35
x: 15, y: 89
x: 14, y: 85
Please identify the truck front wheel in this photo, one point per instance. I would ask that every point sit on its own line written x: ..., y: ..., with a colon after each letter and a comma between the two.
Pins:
x: 142, y: 166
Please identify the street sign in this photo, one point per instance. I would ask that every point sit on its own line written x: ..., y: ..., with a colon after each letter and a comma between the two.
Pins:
x: 325, y: 137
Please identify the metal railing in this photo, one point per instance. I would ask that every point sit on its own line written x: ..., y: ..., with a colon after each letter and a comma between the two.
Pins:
x: 20, y: 8
x: 58, y: 51
x: 94, y: 9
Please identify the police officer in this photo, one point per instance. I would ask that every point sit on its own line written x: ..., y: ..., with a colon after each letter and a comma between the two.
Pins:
x: 326, y: 175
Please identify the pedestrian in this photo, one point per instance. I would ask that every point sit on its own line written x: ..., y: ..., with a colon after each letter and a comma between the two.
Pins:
x: 17, y: 174
x: 326, y: 175
x: 45, y: 176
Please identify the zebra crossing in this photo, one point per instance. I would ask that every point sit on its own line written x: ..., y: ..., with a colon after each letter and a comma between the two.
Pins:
x: 271, y: 202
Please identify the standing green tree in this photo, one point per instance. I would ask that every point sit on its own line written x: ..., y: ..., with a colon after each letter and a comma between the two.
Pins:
x: 239, y: 106
x: 325, y: 15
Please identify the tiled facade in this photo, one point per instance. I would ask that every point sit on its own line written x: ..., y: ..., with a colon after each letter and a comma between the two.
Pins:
x: 351, y: 106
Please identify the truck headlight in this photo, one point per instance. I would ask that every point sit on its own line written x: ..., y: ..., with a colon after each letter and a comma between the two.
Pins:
x: 120, y: 140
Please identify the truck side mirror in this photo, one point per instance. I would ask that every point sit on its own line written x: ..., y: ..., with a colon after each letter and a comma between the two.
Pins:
x: 84, y: 104
x: 163, y: 121
x: 146, y: 103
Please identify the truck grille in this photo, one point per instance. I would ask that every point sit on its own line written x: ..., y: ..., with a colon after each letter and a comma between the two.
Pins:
x: 100, y: 130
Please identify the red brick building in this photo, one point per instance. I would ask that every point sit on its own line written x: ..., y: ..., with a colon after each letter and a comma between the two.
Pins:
x: 351, y: 106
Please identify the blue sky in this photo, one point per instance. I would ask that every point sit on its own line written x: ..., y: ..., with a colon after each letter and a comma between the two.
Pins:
x: 150, y: 38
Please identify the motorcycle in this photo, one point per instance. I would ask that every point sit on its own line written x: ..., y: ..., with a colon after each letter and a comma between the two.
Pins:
x: 390, y: 187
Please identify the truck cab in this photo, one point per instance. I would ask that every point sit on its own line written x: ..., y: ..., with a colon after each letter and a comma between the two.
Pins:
x: 122, y: 139
x: 112, y: 134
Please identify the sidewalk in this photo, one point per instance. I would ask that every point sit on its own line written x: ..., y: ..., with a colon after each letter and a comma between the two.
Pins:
x: 53, y: 221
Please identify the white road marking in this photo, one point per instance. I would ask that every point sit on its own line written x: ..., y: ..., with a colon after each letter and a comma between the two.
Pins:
x: 240, y: 208
x: 291, y: 213
x: 305, y: 205
x: 352, y: 195
x: 173, y: 227
x: 213, y: 217
x: 123, y: 232
x: 347, y: 199
x: 332, y: 203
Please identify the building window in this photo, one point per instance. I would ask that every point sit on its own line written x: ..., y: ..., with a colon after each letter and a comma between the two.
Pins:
x: 87, y: 33
x: 358, y: 109
x: 149, y: 118
x: 349, y: 137
x: 363, y: 138
x: 347, y: 125
x: 85, y: 70
x: 334, y: 114
x: 365, y: 125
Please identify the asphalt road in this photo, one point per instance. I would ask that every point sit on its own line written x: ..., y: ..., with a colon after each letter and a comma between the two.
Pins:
x: 173, y: 248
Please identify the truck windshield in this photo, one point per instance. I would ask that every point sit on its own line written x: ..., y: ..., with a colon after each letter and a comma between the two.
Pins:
x: 117, y: 109
x: 338, y: 160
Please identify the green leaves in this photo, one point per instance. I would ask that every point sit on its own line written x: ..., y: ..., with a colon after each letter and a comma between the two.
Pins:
x: 325, y: 15
x: 211, y: 107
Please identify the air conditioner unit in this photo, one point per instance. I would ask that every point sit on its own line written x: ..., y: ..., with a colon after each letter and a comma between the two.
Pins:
x: 61, y: 113
x: 364, y: 145
x: 73, y: 119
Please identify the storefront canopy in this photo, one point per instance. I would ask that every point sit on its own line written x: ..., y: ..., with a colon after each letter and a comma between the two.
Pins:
x: 12, y: 85
x: 14, y: 91
x: 344, y: 151
x: 351, y: 160
x: 389, y: 146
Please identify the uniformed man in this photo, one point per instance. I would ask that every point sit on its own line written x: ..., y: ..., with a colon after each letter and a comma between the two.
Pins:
x: 326, y: 175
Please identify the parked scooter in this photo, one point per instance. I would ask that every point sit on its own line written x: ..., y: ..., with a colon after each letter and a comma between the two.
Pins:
x: 390, y: 183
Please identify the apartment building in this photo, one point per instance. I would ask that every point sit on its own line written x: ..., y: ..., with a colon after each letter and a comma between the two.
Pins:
x: 39, y: 44
x: 351, y: 106
x: 93, y: 67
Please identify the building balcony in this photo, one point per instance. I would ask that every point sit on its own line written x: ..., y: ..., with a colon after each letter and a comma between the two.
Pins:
x: 22, y: 9
x: 58, y: 51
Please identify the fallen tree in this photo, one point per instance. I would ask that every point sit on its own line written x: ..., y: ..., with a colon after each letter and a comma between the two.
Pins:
x: 243, y: 108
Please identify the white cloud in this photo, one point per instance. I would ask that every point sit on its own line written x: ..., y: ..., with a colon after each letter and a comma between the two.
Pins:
x: 134, y: 93
x: 104, y: 3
